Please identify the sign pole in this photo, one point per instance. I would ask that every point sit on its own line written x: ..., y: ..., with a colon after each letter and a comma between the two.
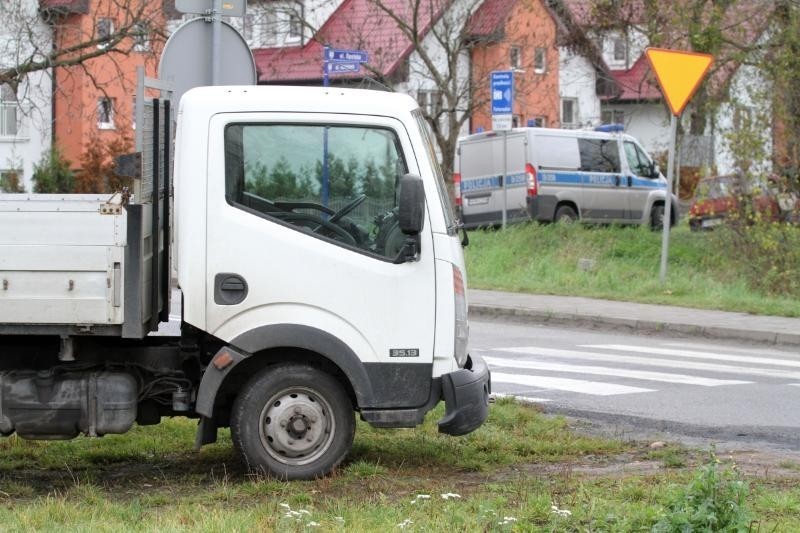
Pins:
x: 325, y: 66
x: 216, y: 30
x: 505, y: 171
x: 673, y: 133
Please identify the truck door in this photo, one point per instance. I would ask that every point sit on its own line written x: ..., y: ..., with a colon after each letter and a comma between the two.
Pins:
x: 302, y: 230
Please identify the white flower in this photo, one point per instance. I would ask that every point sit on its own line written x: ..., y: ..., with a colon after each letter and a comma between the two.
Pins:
x: 564, y: 513
x: 303, y: 511
x: 313, y: 524
x: 405, y: 523
x: 448, y: 495
x: 284, y: 505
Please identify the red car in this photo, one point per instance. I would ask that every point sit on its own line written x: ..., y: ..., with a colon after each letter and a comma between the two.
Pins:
x: 718, y: 198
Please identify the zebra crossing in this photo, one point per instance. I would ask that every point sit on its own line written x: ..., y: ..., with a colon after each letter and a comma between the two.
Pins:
x: 538, y: 373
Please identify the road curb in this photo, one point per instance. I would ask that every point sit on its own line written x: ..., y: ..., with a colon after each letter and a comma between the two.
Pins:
x: 538, y: 316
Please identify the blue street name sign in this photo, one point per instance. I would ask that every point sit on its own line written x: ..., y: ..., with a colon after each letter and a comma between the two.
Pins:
x: 333, y: 68
x: 502, y: 91
x: 357, y: 56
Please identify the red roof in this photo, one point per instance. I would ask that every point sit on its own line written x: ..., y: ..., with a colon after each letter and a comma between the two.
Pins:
x: 489, y: 18
x: 358, y: 25
x: 636, y: 83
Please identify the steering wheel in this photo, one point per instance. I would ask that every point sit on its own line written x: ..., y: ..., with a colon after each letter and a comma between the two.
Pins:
x: 357, y: 201
x: 315, y: 224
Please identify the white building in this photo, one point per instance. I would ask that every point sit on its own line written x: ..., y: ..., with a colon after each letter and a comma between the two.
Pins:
x: 25, y: 110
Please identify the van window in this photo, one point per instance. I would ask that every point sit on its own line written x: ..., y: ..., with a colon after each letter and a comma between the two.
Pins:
x: 276, y: 171
x: 638, y: 161
x: 599, y: 155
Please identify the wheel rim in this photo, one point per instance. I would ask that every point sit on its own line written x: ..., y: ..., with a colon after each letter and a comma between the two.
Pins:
x: 296, y: 426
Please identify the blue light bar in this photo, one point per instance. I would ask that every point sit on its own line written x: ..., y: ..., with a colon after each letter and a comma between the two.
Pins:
x: 610, y: 128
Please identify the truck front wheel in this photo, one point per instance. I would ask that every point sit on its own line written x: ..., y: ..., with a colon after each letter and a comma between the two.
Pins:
x: 293, y: 422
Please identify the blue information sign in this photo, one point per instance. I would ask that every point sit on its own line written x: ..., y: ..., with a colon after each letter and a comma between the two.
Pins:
x: 357, y: 56
x: 333, y: 68
x: 502, y: 92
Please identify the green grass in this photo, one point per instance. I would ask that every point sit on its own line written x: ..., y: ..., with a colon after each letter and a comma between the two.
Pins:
x: 522, y: 471
x: 705, y: 271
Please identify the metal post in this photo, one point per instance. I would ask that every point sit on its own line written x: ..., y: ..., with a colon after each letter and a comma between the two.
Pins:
x: 325, y: 81
x: 673, y: 130
x: 505, y: 171
x: 216, y: 37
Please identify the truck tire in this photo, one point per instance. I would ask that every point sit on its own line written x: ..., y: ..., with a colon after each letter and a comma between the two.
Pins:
x: 657, y: 217
x: 292, y: 421
x: 566, y: 214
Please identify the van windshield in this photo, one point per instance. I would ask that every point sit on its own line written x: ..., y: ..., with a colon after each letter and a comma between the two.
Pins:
x: 441, y: 187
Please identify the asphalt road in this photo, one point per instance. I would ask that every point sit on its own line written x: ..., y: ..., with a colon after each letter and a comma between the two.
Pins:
x: 649, y: 386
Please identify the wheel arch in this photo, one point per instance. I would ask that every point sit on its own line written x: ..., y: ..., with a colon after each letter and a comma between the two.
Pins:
x: 569, y: 202
x: 269, y: 345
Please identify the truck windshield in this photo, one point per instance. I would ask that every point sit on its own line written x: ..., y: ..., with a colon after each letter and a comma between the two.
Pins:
x: 441, y: 187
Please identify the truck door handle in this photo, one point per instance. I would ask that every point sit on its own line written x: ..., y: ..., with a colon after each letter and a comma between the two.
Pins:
x: 616, y: 181
x: 229, y: 289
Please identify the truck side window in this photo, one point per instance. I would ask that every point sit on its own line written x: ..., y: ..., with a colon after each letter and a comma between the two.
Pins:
x: 332, y: 181
x: 599, y: 155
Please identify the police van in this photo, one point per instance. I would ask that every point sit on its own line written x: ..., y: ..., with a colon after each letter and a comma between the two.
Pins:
x: 558, y: 175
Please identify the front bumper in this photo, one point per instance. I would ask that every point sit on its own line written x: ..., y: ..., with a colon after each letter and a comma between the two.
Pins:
x: 466, y: 397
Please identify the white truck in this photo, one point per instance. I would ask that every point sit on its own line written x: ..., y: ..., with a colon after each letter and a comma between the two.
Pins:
x: 320, y: 271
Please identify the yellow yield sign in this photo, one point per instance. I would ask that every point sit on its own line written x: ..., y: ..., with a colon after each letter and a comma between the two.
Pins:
x: 679, y: 74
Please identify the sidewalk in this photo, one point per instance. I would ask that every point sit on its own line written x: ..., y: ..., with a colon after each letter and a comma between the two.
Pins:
x: 571, y: 310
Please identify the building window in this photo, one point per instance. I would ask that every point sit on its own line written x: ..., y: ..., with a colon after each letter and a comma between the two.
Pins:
x: 569, y: 112
x: 295, y: 27
x: 105, y: 113
x: 620, y: 50
x: 537, y: 122
x: 516, y: 121
x: 515, y: 57
x: 105, y: 28
x: 612, y: 116
x: 9, y: 109
x: 430, y: 102
x: 539, y: 64
x: 141, y: 37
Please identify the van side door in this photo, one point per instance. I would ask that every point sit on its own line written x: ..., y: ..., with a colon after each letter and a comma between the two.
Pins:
x: 605, y: 199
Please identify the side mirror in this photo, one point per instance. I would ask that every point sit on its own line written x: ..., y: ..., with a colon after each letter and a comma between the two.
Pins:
x: 412, y: 205
x: 654, y: 171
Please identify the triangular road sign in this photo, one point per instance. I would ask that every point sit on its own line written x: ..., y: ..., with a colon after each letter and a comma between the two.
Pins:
x: 679, y: 74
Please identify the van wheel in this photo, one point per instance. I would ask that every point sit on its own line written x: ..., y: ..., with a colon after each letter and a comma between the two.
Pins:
x: 657, y: 217
x: 293, y: 422
x: 566, y: 215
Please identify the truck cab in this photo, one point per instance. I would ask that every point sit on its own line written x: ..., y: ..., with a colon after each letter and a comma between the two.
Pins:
x: 320, y: 272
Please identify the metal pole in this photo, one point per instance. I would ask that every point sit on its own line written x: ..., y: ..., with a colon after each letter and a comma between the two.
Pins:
x: 505, y: 171
x: 216, y: 37
x: 673, y: 130
x: 325, y: 81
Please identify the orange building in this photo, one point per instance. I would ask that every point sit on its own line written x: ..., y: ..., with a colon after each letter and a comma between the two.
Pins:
x: 518, y: 35
x: 93, y: 101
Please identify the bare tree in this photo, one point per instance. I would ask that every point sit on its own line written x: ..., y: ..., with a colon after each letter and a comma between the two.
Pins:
x: 42, y: 35
x: 420, y: 47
